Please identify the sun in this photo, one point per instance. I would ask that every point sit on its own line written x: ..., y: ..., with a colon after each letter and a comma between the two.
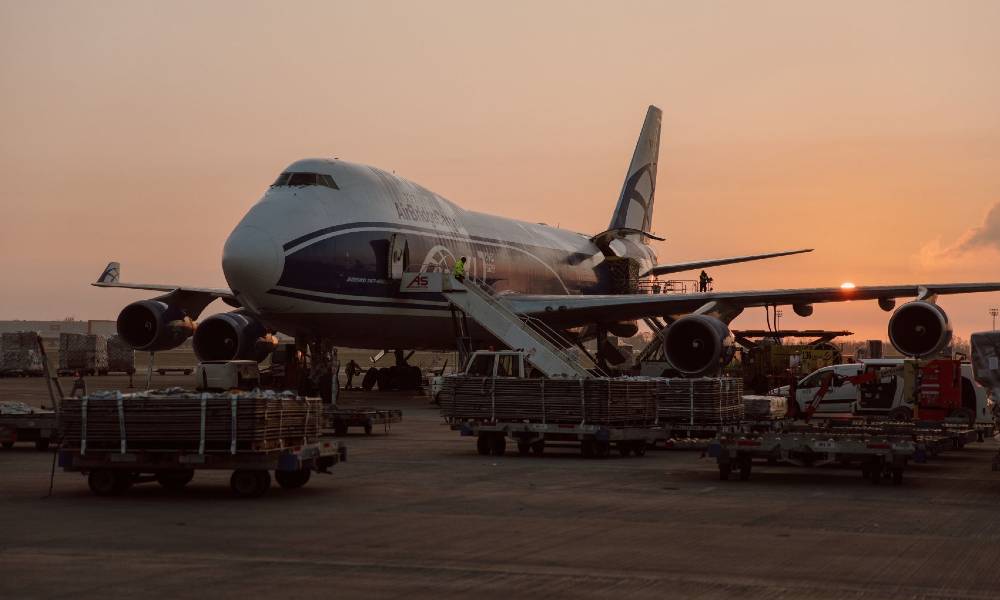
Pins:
x: 847, y: 285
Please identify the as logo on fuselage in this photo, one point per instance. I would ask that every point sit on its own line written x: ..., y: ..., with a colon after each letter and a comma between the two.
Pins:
x: 420, y: 281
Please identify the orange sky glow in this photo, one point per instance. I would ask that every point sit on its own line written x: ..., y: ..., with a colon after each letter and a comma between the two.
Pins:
x: 142, y: 131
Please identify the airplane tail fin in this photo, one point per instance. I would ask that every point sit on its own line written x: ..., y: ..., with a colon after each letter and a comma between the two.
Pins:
x: 111, y: 273
x: 635, y: 204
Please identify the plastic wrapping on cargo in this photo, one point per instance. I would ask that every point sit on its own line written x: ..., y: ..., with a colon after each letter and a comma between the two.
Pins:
x: 765, y: 407
x: 19, y: 354
x: 121, y: 356
x: 986, y: 358
x: 171, y: 420
x: 628, y: 402
x: 705, y: 401
x: 14, y: 407
x: 83, y: 352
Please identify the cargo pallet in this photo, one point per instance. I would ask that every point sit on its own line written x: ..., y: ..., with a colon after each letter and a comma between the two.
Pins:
x: 41, y: 428
x: 594, y: 441
x: 880, y: 455
x: 340, y: 419
x: 112, y: 473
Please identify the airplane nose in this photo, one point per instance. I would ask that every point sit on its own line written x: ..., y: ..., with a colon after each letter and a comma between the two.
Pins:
x: 251, y: 261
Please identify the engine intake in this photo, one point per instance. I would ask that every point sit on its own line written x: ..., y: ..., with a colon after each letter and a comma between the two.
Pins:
x: 232, y: 336
x: 152, y: 325
x: 919, y: 329
x: 698, y: 345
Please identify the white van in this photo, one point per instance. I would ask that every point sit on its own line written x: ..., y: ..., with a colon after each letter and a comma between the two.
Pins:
x: 842, y: 395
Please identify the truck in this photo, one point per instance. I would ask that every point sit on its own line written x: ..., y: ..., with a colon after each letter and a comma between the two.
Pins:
x: 886, y: 393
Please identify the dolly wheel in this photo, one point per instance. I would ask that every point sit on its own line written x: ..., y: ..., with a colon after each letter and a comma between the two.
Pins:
x: 745, y: 467
x: 640, y: 448
x: 175, y: 480
x: 724, y: 470
x: 108, y: 482
x: 483, y: 444
x: 498, y: 445
x: 291, y: 480
x: 875, y: 474
x: 624, y: 448
x: 249, y: 483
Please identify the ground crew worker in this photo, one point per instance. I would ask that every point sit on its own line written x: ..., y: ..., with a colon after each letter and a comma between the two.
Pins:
x: 459, y: 269
x: 351, y: 370
x: 703, y: 280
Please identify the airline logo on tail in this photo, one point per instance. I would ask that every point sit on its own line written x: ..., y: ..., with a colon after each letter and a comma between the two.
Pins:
x: 110, y: 274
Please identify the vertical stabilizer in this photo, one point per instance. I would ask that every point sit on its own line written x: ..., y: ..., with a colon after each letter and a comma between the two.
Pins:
x: 635, y: 204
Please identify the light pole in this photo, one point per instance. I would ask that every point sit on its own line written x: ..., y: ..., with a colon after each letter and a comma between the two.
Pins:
x: 777, y: 315
x: 993, y: 313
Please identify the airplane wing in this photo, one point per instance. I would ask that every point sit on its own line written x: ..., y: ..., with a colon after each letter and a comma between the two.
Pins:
x: 193, y: 299
x: 715, y: 262
x: 570, y: 311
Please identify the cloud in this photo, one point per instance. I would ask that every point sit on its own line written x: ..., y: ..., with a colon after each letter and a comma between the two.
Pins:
x: 984, y: 237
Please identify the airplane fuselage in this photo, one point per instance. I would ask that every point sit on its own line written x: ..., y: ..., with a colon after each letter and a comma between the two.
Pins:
x: 324, y: 259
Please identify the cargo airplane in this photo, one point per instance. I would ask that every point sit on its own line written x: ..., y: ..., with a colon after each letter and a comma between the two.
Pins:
x: 321, y: 254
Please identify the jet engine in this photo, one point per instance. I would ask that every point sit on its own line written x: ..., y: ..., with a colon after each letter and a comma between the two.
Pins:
x: 919, y: 329
x: 232, y: 336
x: 698, y: 345
x: 153, y: 325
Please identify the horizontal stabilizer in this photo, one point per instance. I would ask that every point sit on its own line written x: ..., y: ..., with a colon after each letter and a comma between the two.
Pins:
x: 110, y: 278
x: 715, y: 262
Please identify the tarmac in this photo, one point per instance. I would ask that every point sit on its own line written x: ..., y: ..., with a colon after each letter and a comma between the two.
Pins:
x: 415, y: 512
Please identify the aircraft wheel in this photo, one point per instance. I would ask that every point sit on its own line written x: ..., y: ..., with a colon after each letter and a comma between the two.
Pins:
x: 370, y: 379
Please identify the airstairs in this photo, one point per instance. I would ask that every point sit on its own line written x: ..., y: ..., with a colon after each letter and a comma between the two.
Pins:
x: 543, y: 346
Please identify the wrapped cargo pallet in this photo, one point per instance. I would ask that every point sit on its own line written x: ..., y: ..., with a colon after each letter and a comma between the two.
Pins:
x: 765, y: 407
x: 626, y: 402
x: 703, y: 402
x: 185, y: 421
x: 121, y: 356
x: 19, y: 354
x: 83, y: 353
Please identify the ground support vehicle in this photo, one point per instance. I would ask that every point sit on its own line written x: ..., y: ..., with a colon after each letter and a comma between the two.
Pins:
x: 340, y: 419
x: 880, y: 454
x: 39, y: 426
x: 594, y: 441
x: 112, y: 473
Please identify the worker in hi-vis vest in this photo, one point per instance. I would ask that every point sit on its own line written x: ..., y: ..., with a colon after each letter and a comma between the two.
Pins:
x: 459, y: 269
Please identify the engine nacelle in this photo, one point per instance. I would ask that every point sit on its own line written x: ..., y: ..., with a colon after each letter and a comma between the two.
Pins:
x: 232, y: 336
x: 698, y: 345
x: 919, y: 329
x: 803, y: 310
x: 887, y: 304
x: 152, y: 325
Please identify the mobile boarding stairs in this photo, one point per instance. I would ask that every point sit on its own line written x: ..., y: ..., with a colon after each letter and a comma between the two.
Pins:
x: 544, y: 348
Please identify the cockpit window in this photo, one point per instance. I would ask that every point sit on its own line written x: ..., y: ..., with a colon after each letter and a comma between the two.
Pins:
x: 300, y: 179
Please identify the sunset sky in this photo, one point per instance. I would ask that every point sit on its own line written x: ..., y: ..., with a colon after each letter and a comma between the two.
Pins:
x: 142, y: 131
